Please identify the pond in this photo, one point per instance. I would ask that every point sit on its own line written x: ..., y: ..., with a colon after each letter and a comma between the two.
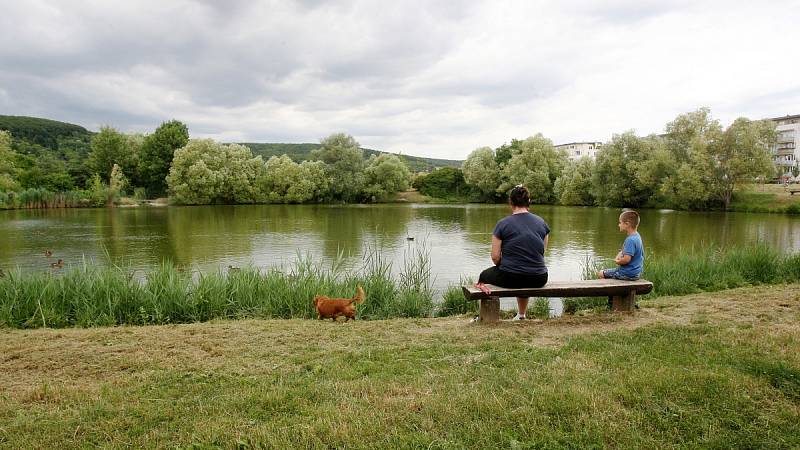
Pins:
x: 209, y: 238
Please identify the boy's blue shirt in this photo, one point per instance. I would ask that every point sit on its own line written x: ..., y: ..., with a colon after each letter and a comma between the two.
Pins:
x: 633, y: 246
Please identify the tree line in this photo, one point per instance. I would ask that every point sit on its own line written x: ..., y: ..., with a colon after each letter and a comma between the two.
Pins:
x: 696, y: 164
x: 202, y: 171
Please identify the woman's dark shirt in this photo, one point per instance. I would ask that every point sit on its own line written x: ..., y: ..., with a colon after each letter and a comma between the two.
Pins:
x: 523, y: 243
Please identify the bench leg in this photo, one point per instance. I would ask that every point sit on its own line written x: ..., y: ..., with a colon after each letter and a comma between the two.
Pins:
x: 490, y: 309
x: 623, y: 302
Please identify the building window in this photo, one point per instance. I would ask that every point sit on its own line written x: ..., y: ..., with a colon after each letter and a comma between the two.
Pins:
x: 577, y: 153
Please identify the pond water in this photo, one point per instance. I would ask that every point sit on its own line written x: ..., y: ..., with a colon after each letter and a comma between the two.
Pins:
x: 209, y: 238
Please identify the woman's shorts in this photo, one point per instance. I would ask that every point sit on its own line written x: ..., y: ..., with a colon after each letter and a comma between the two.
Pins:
x: 493, y: 275
x: 614, y: 273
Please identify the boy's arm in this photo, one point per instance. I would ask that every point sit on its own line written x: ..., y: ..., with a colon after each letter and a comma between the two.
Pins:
x: 626, y: 254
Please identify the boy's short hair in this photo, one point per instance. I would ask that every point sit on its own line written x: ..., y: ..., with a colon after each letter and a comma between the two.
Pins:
x: 520, y: 196
x: 630, y: 217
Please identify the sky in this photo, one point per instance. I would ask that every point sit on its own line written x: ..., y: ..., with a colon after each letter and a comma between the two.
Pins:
x: 426, y: 78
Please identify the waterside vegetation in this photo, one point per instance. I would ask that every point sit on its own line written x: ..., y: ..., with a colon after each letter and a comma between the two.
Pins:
x: 87, y: 296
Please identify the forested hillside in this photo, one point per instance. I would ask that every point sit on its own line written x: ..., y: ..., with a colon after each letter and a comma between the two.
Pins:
x: 302, y: 152
x: 47, y: 153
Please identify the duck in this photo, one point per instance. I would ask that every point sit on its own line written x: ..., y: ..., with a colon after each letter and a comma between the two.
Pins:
x: 234, y: 269
x: 409, y: 238
x: 57, y: 265
x: 48, y: 253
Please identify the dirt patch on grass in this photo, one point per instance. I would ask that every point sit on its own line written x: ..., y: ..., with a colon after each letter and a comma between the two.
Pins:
x: 42, y: 364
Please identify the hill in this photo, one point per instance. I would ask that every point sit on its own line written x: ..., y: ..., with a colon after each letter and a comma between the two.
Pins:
x: 44, y: 132
x: 32, y: 132
x: 301, y: 152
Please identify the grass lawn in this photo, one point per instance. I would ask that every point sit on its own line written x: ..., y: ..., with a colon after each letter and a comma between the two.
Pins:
x: 765, y: 198
x: 708, y: 370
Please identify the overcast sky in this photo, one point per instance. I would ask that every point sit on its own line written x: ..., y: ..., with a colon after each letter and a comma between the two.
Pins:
x: 425, y: 78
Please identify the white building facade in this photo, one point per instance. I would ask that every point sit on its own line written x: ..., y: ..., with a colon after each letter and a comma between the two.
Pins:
x: 577, y: 150
x: 785, y: 152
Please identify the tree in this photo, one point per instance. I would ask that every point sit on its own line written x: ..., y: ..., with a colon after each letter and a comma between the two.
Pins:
x: 240, y: 171
x: 284, y: 181
x: 157, y: 152
x: 134, y: 143
x: 8, y: 170
x: 686, y: 188
x: 482, y: 171
x: 117, y: 181
x: 109, y: 147
x: 447, y: 182
x: 344, y: 168
x: 195, y: 177
x: 574, y: 186
x: 691, y: 132
x: 615, y: 181
x: 204, y: 172
x: 503, y: 153
x: 742, y: 154
x: 537, y: 165
x: 687, y: 172
x: 384, y: 175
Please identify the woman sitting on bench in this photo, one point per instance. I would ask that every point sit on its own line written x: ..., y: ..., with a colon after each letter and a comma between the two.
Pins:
x: 518, y: 245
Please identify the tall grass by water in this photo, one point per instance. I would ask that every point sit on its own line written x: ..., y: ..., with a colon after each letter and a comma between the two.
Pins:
x: 707, y: 268
x: 39, y: 198
x: 88, y: 296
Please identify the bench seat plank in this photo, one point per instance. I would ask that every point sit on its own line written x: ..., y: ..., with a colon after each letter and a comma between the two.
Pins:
x: 579, y: 288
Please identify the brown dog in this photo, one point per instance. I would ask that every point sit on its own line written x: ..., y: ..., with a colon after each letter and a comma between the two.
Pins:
x: 335, y: 307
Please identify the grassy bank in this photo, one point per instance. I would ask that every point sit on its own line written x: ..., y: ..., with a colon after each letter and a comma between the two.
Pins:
x: 99, y: 296
x: 704, y: 269
x: 709, y: 370
x: 767, y: 198
x: 88, y: 296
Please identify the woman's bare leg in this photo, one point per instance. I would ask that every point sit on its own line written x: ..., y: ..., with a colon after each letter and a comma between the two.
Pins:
x: 522, y: 306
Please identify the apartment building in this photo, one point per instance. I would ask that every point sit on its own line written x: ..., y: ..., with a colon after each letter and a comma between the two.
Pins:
x: 577, y: 150
x: 785, y: 152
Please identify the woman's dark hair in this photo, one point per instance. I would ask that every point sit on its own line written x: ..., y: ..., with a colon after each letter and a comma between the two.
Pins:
x: 520, y: 196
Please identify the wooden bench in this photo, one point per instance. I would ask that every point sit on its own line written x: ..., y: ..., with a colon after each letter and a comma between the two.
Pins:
x: 622, y: 294
x: 793, y: 188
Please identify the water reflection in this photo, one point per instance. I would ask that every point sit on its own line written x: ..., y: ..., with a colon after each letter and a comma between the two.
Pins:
x: 458, y: 236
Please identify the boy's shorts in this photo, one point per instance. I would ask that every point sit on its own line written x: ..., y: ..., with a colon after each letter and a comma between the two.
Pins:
x: 615, y: 274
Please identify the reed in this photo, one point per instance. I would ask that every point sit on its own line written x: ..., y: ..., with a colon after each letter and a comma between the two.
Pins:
x: 453, y: 302
x: 40, y: 198
x: 86, y: 296
x: 706, y: 268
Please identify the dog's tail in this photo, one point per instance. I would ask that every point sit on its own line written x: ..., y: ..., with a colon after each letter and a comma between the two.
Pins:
x: 359, y: 297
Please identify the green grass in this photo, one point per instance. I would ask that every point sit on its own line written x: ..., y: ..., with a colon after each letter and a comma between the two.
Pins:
x: 661, y: 379
x: 97, y: 296
x: 765, y: 199
x: 702, y: 269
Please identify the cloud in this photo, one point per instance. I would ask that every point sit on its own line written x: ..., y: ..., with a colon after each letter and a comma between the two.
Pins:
x: 426, y: 78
